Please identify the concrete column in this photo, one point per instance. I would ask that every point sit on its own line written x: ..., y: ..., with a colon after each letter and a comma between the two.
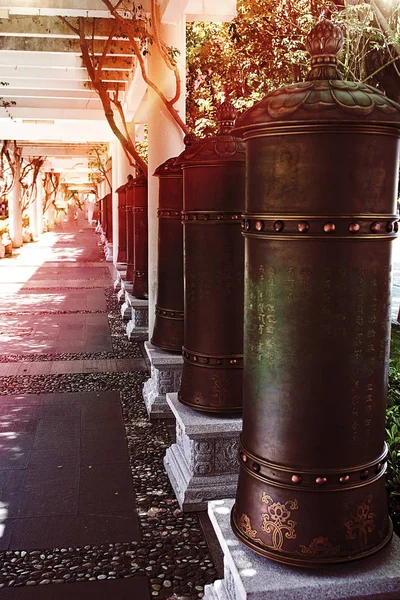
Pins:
x: 120, y: 171
x: 165, y: 136
x: 39, y: 202
x: 15, y: 212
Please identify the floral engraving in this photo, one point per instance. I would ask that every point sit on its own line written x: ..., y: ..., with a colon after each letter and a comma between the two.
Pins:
x: 277, y: 522
x: 320, y: 546
x: 246, y: 528
x: 361, y: 522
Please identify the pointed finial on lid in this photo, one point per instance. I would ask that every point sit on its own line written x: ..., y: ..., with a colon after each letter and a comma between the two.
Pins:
x: 324, y: 43
x: 225, y: 115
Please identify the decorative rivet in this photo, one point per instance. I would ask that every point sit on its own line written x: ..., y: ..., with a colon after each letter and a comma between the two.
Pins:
x: 378, y: 467
x: 206, y: 217
x: 396, y: 226
x: 247, y: 225
x: 164, y: 312
x: 329, y: 227
x: 344, y: 479
x: 206, y: 361
x: 354, y: 227
x: 234, y: 217
x: 364, y: 474
x: 172, y: 314
x: 297, y: 478
x: 242, y: 225
x: 303, y: 226
x: 279, y: 225
x: 233, y: 361
x: 167, y: 213
x: 219, y: 217
x: 389, y: 226
x: 194, y: 217
x: 219, y: 361
x: 256, y: 467
x: 321, y: 480
x: 244, y: 458
x: 375, y: 227
x: 259, y: 225
x: 195, y: 358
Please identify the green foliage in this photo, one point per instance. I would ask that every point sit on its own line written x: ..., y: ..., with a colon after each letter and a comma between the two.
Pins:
x: 263, y: 48
x: 393, y: 430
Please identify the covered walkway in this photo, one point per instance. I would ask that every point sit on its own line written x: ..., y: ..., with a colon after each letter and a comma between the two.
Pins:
x: 83, y: 493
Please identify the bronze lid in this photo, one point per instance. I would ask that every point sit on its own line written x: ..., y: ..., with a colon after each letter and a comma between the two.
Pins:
x: 122, y: 187
x: 169, y: 168
x: 323, y: 96
x: 221, y: 147
x: 140, y: 179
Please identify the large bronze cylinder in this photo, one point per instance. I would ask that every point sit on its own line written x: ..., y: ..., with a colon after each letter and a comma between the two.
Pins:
x: 319, y: 224
x: 168, y: 324
x: 140, y: 242
x: 121, y: 255
x: 107, y: 203
x: 130, y: 204
x: 213, y: 181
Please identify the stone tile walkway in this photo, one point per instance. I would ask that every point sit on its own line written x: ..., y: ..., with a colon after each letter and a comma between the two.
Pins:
x: 65, y: 475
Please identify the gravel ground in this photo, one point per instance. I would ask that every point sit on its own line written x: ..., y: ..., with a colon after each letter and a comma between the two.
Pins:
x: 173, y: 552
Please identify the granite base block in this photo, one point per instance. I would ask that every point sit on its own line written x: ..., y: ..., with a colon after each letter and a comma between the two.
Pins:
x: 119, y: 273
x: 166, y: 373
x: 248, y: 576
x: 203, y: 464
x: 108, y: 252
x: 137, y: 328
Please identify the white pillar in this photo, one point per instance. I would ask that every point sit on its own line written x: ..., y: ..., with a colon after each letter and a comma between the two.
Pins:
x: 39, y: 202
x: 120, y: 171
x: 165, y: 136
x: 15, y: 212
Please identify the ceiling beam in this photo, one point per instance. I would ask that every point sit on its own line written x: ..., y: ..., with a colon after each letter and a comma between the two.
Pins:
x: 39, y: 113
x: 54, y: 84
x: 53, y: 27
x: 58, y: 61
x: 57, y: 45
x: 13, y: 74
x: 55, y: 150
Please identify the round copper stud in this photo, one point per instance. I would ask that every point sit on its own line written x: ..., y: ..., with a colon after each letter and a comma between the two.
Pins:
x: 243, y: 225
x: 219, y: 217
x: 329, y: 227
x: 378, y: 468
x: 244, y: 458
x: 278, y: 226
x: 354, y: 227
x: 396, y: 226
x: 389, y: 226
x: 375, y: 227
x: 303, y: 226
x: 168, y: 214
x: 235, y: 217
x: 297, y: 479
x: 364, y: 474
x: 256, y: 467
x: 219, y: 361
x: 259, y: 225
x: 194, y: 217
x: 195, y: 359
x: 233, y: 361
x: 321, y: 480
x: 344, y: 479
x: 206, y: 361
x: 164, y: 312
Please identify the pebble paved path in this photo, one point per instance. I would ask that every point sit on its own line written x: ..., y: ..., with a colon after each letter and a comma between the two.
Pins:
x: 83, y: 493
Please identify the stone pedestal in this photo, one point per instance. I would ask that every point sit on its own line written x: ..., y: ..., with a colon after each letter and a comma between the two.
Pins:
x: 108, y: 251
x: 248, y: 576
x: 203, y: 464
x: 119, y: 275
x: 137, y: 328
x: 166, y: 372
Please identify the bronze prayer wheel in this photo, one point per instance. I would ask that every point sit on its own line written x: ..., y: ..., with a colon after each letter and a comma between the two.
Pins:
x: 121, y: 191
x: 319, y: 224
x: 107, y: 203
x: 213, y: 182
x: 140, y: 242
x: 168, y: 324
x: 130, y: 202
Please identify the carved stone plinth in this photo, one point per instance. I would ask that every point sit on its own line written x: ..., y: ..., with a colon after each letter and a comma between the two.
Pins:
x: 108, y: 251
x: 166, y: 372
x: 248, y: 576
x: 203, y: 464
x: 120, y: 274
x: 137, y: 328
